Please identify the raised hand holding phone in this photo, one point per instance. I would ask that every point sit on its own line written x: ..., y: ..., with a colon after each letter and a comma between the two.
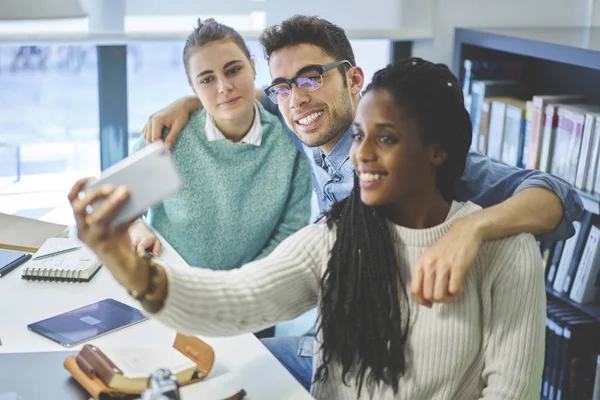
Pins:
x: 104, y: 209
x: 149, y: 177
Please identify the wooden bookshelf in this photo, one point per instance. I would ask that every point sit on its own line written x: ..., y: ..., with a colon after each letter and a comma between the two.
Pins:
x: 555, y: 61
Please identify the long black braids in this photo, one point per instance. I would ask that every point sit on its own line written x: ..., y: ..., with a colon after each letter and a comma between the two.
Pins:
x: 362, y: 323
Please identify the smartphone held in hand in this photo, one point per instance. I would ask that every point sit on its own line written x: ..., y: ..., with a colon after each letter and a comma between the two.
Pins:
x: 149, y: 175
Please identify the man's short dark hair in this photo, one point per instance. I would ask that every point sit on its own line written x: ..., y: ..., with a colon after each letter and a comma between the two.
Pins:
x: 301, y: 29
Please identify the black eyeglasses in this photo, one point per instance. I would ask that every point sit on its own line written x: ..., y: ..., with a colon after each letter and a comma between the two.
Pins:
x: 306, y: 80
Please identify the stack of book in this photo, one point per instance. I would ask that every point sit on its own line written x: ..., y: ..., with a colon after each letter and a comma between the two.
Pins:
x: 559, y: 134
x: 572, y: 265
x: 572, y: 349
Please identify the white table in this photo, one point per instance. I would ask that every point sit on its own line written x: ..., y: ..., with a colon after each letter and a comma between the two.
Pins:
x: 240, y: 361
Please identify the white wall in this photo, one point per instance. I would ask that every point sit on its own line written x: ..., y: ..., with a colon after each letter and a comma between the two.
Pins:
x: 370, y: 18
x: 105, y: 16
x: 399, y: 19
x: 596, y: 13
x: 448, y: 14
x: 40, y: 9
x: 433, y: 20
x: 349, y: 14
x: 352, y: 14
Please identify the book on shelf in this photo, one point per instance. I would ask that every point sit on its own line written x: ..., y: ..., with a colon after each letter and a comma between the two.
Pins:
x: 514, y: 129
x: 563, y: 138
x: 504, y: 137
x: 555, y: 326
x: 550, y: 359
x: 557, y: 384
x: 569, y: 343
x: 481, y: 89
x: 593, y: 182
x: 578, y: 114
x: 489, y: 69
x: 477, y: 70
x: 554, y: 261
x: 575, y: 261
x: 526, y: 133
x: 589, y: 154
x: 496, y: 129
x: 484, y: 125
x: 597, y: 280
x: 584, y: 290
x: 582, y: 236
x: 563, y: 134
x: 594, y: 157
x: 568, y: 145
x: 534, y: 143
x: 548, y: 136
x: 575, y: 373
x: 565, y: 259
x: 574, y: 145
x: 549, y: 345
x: 547, y: 248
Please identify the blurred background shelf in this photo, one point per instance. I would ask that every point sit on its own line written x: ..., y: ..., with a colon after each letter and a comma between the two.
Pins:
x: 591, y: 309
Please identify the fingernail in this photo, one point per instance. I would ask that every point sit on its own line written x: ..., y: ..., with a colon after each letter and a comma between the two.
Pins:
x: 168, y: 145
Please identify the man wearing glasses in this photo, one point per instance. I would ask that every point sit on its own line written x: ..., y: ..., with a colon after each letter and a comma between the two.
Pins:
x: 316, y: 87
x: 319, y: 124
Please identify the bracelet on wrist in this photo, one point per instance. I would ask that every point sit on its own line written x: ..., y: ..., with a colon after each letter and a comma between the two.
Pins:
x: 148, y: 297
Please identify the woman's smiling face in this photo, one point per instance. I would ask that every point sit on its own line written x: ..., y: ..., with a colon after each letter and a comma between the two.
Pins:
x: 388, y: 152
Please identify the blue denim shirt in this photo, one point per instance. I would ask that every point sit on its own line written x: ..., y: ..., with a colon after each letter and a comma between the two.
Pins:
x: 488, y: 182
x: 485, y: 182
x: 333, y: 173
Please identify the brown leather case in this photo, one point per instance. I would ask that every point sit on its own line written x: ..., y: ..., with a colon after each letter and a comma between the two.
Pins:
x: 192, y: 347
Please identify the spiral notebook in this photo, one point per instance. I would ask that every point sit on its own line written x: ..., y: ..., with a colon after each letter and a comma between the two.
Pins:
x: 76, y: 266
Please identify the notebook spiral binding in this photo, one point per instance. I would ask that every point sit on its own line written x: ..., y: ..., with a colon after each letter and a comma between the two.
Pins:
x: 46, y: 274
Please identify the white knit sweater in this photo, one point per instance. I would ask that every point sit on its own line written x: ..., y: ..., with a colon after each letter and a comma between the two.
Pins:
x: 488, y: 344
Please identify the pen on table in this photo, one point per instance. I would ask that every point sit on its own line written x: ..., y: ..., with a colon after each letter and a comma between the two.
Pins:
x: 56, y: 253
x: 7, y: 268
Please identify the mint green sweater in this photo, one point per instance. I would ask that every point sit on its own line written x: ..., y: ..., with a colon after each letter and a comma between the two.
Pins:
x: 238, y: 201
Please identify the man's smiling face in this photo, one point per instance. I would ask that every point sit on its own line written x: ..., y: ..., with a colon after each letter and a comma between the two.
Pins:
x: 319, y: 118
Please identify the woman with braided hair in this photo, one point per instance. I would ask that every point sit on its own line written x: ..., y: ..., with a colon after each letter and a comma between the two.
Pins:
x: 411, y: 138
